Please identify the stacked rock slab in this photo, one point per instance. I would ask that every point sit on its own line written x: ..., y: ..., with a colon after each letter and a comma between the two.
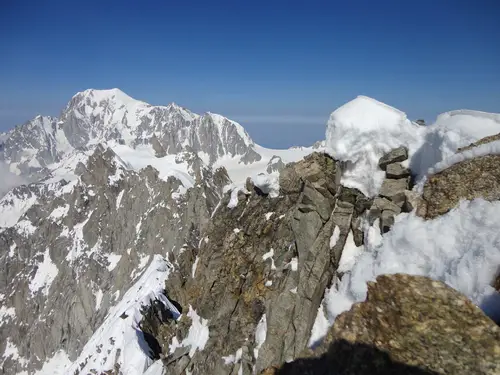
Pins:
x: 394, y: 196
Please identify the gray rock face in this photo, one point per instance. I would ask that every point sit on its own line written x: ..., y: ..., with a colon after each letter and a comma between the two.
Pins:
x: 275, y: 165
x: 111, y: 114
x: 250, y: 156
x: 394, y: 156
x: 384, y: 204
x: 89, y: 237
x: 266, y: 257
x: 412, y: 200
x: 385, y: 210
x: 27, y: 195
x: 392, y: 188
x: 394, y: 194
x: 396, y: 170
x: 33, y: 145
x: 386, y: 221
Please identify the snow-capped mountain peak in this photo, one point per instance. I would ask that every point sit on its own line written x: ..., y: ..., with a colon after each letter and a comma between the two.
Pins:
x: 101, y: 116
x: 115, y: 95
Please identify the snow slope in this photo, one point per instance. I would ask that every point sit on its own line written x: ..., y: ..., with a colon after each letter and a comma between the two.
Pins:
x: 143, y: 156
x: 121, y: 334
x: 361, y: 132
x: 98, y: 116
x: 451, y: 131
x: 460, y: 248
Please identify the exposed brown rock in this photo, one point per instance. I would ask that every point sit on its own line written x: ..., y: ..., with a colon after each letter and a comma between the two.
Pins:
x: 396, y: 170
x: 475, y: 178
x: 407, y: 325
x: 482, y: 141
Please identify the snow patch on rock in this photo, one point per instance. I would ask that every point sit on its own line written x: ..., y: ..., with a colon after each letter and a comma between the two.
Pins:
x: 120, y: 332
x: 260, y: 335
x: 46, y: 272
x: 197, y: 336
x: 450, y: 131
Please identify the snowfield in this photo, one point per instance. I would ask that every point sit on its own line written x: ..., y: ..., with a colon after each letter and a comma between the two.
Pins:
x: 451, y: 131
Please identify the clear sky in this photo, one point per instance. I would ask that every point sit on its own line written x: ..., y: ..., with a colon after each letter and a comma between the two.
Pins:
x: 278, y: 67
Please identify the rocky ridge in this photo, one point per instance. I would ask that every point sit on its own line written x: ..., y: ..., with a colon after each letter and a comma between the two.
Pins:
x: 267, y: 260
x: 395, y: 193
x: 84, y: 245
x: 236, y: 294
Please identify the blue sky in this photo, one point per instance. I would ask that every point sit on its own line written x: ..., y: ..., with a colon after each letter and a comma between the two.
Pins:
x: 278, y: 67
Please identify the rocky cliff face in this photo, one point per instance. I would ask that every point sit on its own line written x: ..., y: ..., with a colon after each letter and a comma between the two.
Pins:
x: 74, y: 252
x: 261, y: 266
x: 32, y: 146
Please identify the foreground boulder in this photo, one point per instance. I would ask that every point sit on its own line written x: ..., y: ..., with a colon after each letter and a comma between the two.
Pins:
x: 407, y: 325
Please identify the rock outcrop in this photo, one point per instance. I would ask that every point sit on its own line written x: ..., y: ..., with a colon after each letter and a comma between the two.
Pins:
x: 266, y: 260
x: 407, y: 325
x: 33, y: 145
x: 275, y: 165
x: 474, y: 178
x: 394, y: 156
x: 482, y: 141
